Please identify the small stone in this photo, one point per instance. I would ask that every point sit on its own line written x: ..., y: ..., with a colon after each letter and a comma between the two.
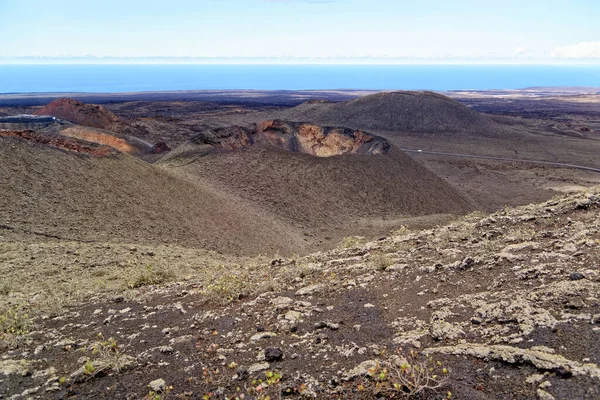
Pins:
x: 369, y: 305
x: 534, y: 378
x: 361, y: 369
x: 320, y: 325
x: 563, y: 371
x: 254, y: 368
x: 157, y: 385
x: 543, y: 395
x: 576, y: 276
x: 312, y: 289
x: 293, y: 316
x: 16, y: 367
x: 273, y: 354
x: 282, y: 302
x: 262, y: 335
x: 476, y: 321
x: 574, y: 305
x: 332, y: 326
x: 545, y: 385
x: 166, y: 349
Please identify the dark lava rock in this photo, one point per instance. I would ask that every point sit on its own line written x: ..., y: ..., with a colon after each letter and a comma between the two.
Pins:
x: 273, y: 354
x: 563, y: 372
x: 575, y: 276
x: 160, y: 147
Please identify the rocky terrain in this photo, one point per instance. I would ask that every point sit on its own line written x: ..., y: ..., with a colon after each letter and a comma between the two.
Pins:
x: 284, y: 194
x: 296, y: 138
x: 248, y: 250
x: 60, y: 142
x: 321, y: 141
x: 505, y: 305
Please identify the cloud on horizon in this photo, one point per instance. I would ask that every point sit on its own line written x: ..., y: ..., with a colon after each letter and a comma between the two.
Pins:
x: 584, y: 50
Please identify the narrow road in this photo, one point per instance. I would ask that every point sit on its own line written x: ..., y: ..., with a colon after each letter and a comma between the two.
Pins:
x: 555, y: 164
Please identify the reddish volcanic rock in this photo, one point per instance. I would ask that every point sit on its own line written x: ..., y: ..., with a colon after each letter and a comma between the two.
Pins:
x: 321, y: 141
x: 61, y: 142
x: 94, y: 136
x: 160, y: 147
x: 296, y: 138
x: 80, y: 113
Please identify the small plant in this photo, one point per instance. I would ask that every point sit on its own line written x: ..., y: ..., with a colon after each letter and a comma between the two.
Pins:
x: 403, y: 230
x: 108, y: 357
x: 265, y: 389
x: 418, y: 376
x: 152, y: 395
x: 148, y: 275
x: 228, y: 288
x: 382, y: 261
x: 351, y: 241
x: 89, y: 368
x: 15, y: 322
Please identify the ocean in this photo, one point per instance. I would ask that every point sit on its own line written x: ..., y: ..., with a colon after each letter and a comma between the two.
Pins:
x: 157, y: 77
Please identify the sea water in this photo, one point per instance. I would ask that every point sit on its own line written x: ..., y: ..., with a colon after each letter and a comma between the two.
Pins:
x: 156, y: 77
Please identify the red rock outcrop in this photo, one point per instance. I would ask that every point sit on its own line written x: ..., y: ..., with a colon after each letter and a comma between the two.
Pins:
x: 295, y: 137
x: 61, y: 142
x: 321, y: 141
x: 94, y: 136
x: 79, y: 113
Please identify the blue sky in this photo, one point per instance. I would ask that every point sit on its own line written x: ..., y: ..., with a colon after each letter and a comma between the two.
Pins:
x: 441, y: 30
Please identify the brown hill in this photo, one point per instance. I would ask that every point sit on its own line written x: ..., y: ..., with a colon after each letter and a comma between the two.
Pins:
x: 79, y: 113
x: 119, y: 198
x: 419, y: 112
x: 326, y: 197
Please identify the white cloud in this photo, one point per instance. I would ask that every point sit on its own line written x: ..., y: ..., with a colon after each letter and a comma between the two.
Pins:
x: 579, y: 50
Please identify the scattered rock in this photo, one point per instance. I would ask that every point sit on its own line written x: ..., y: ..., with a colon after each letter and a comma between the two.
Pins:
x: 157, y: 385
x: 293, y: 316
x: 15, y: 367
x: 575, y: 276
x: 541, y: 360
x: 312, y: 289
x: 262, y: 335
x: 254, y: 368
x: 543, y: 395
x: 273, y: 354
x: 360, y: 370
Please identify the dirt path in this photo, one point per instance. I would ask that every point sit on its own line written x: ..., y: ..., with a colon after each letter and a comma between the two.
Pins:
x: 555, y: 164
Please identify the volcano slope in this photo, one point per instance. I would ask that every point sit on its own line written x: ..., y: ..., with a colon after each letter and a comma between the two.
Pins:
x: 50, y: 191
x: 80, y: 113
x: 492, y: 306
x: 422, y: 112
x: 328, y: 197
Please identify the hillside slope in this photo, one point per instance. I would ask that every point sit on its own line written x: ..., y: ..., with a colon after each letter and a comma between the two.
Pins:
x: 501, y: 306
x: 120, y: 198
x: 327, y: 197
x: 79, y: 113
